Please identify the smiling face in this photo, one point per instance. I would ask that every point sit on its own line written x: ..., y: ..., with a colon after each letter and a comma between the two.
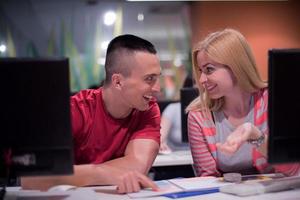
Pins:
x: 139, y: 87
x: 215, y: 78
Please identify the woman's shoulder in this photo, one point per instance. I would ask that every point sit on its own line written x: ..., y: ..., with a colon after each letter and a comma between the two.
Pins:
x: 199, y: 115
x: 262, y: 94
x: 261, y: 100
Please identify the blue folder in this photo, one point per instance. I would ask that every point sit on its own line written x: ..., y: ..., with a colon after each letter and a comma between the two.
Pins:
x: 176, y: 195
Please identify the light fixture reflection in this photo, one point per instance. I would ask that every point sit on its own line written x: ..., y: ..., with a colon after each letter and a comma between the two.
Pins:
x: 2, y: 48
x: 110, y: 18
x: 140, y: 17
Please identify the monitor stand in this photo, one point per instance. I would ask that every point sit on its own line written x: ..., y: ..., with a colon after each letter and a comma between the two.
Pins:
x: 3, y: 174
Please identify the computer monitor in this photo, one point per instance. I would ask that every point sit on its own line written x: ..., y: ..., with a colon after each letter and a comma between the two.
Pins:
x: 35, y: 116
x: 284, y: 105
x: 187, y: 95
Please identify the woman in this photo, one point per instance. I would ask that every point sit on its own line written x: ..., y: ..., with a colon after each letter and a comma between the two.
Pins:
x: 227, y: 123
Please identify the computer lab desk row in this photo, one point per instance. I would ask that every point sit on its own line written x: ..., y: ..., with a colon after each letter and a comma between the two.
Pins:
x: 109, y: 193
x: 177, y: 159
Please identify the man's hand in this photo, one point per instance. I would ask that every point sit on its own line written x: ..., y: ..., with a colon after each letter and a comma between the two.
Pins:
x: 128, y: 172
x: 240, y: 135
x: 134, y: 181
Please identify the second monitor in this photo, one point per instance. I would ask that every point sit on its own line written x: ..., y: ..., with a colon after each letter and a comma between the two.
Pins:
x: 187, y: 95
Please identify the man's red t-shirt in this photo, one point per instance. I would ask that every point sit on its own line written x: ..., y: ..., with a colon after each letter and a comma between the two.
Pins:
x: 98, y: 137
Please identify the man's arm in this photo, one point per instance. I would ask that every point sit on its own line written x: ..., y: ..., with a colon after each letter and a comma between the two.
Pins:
x: 139, y: 155
x: 128, y: 172
x: 138, y: 159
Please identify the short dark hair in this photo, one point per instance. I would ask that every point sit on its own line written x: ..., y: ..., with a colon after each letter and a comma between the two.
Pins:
x: 120, y: 46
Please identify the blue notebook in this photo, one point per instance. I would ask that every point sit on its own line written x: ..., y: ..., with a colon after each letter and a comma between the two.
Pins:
x: 176, y: 195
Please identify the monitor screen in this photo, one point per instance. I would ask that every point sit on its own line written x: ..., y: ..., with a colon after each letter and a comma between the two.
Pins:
x: 284, y: 106
x: 187, y: 95
x: 35, y: 116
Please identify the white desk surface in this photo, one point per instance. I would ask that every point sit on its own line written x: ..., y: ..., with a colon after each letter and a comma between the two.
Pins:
x: 109, y: 193
x: 181, y: 157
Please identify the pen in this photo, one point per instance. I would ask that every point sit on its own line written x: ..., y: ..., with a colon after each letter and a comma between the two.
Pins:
x: 191, y: 193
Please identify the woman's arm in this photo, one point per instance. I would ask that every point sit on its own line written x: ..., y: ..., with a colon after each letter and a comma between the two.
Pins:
x: 204, y: 163
x: 244, y: 133
x: 247, y: 132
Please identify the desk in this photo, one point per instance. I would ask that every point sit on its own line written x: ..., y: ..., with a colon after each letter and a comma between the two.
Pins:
x: 108, y: 193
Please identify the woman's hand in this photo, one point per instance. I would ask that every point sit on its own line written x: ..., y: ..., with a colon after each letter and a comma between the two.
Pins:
x: 164, y: 148
x: 241, y: 134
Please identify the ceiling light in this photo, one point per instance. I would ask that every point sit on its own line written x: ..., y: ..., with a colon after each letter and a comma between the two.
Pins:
x: 2, y: 48
x: 140, y: 17
x: 110, y: 18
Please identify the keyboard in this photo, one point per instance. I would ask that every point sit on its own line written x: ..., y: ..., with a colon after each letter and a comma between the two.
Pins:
x: 254, y: 188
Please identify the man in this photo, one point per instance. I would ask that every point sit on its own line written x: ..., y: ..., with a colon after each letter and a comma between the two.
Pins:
x: 116, y: 128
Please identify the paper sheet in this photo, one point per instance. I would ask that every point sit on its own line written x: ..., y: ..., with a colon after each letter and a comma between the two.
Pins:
x: 179, y: 185
x: 198, y: 183
x: 165, y: 187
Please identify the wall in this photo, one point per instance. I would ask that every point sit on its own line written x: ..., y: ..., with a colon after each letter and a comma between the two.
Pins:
x: 76, y: 29
x: 264, y: 24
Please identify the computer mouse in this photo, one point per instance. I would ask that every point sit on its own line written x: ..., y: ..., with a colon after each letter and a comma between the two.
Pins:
x: 61, y: 188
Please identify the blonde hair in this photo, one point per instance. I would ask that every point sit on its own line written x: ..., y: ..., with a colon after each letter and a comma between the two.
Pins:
x: 230, y: 48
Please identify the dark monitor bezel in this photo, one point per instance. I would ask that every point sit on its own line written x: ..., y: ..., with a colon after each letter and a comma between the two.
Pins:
x: 283, y: 106
x: 47, y: 154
